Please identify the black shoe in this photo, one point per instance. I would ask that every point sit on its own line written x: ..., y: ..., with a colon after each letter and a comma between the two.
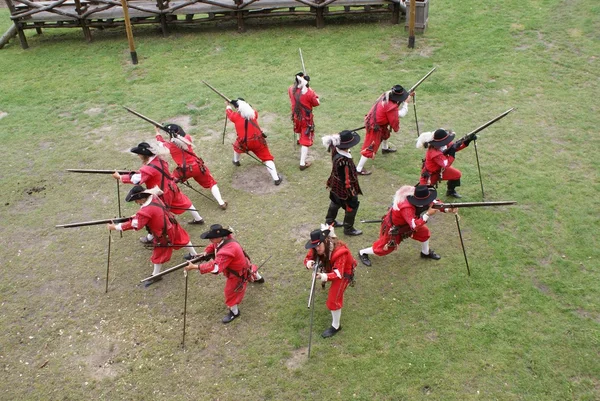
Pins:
x: 148, y: 283
x: 278, y: 181
x: 453, y: 194
x: 352, y: 231
x: 364, y: 258
x: 306, y: 165
x: 260, y: 280
x: 364, y: 172
x: 335, y: 224
x: 189, y: 257
x: 432, y: 255
x: 197, y: 222
x: 388, y: 150
x: 330, y: 332
x: 229, y: 317
x: 237, y: 164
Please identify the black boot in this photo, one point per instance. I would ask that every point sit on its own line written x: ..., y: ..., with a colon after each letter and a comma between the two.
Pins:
x: 332, y: 214
x: 452, y: 188
x: 349, y: 218
x: 364, y: 258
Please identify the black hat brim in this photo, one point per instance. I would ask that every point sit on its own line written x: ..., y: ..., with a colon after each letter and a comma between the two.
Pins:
x: 355, y: 140
x: 445, y: 141
x: 399, y: 98
x: 141, y: 151
x: 422, y: 202
x: 310, y: 245
x: 220, y: 233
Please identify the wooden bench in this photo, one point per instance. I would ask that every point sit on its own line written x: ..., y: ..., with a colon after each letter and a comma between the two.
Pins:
x: 86, y: 14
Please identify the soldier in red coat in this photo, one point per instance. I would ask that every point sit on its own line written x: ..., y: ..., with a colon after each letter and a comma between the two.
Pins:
x: 303, y: 99
x: 250, y: 138
x: 343, y: 181
x: 160, y: 222
x: 411, y: 208
x: 440, y: 155
x: 383, y: 116
x: 337, y: 264
x: 232, y: 261
x: 189, y: 164
x: 155, y: 173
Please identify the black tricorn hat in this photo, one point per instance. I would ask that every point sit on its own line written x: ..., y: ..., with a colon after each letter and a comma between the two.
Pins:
x: 348, y: 139
x: 143, y: 148
x: 216, y: 231
x: 398, y: 94
x: 424, y: 195
x: 441, y: 137
x: 137, y: 192
x: 316, y: 237
x: 175, y: 129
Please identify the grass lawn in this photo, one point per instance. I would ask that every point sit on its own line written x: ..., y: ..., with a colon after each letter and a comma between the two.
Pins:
x: 524, y: 326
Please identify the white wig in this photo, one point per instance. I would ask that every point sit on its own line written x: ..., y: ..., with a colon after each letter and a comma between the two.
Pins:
x: 154, y: 191
x: 331, y: 140
x: 181, y: 142
x: 424, y: 139
x: 302, y: 84
x: 401, y: 194
x: 246, y: 110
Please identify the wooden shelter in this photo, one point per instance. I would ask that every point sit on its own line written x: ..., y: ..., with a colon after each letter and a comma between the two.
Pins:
x: 88, y: 14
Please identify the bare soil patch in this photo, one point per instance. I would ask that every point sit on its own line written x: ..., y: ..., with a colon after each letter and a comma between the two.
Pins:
x: 298, y: 358
x: 94, y: 111
x: 301, y: 233
x: 3, y: 114
x: 254, y: 179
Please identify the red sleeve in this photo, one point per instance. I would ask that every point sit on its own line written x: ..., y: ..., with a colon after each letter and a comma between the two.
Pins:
x: 206, y: 267
x: 126, y: 179
x: 309, y: 256
x: 314, y: 99
x: 392, y: 116
x: 232, y: 115
x: 347, y: 178
x: 441, y: 158
x: 159, y: 138
x: 408, y: 215
x: 210, y: 249
x: 142, y: 220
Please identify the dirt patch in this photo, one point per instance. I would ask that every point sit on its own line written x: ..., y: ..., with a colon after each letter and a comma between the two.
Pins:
x: 432, y: 336
x: 543, y: 288
x: 266, y: 120
x: 184, y: 122
x: 101, y: 364
x: 254, y: 179
x: 588, y: 315
x: 3, y: 114
x: 94, y: 111
x: 298, y: 358
x: 301, y: 233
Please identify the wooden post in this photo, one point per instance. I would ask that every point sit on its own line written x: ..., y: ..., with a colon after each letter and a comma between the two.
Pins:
x: 411, y: 24
x: 86, y: 29
x: 134, y: 59
x: 239, y: 14
x: 18, y: 25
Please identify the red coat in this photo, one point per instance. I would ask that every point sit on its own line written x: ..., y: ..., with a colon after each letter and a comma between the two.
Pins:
x: 438, y: 166
x: 233, y: 263
x: 302, y: 115
x: 249, y: 136
x: 341, y: 274
x: 156, y: 173
x: 162, y: 225
x: 382, y: 117
x: 189, y: 165
x: 410, y: 225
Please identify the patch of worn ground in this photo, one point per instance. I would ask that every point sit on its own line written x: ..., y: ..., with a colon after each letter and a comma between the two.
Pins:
x: 254, y: 179
x: 298, y: 358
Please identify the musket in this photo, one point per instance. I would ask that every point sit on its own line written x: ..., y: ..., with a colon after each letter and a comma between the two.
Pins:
x: 179, y: 266
x: 187, y: 184
x: 216, y: 91
x: 471, y: 134
x: 311, y: 304
x: 302, y: 60
x: 412, y: 89
x: 150, y: 246
x: 90, y: 171
x: 420, y: 81
x: 457, y: 205
x: 94, y: 222
x: 151, y: 121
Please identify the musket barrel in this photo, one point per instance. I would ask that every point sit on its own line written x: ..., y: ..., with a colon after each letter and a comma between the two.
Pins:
x: 93, y: 222
x: 472, y: 204
x: 91, y: 171
x: 216, y: 91
x: 415, y: 86
x: 484, y: 126
x: 151, y: 121
x: 177, y: 267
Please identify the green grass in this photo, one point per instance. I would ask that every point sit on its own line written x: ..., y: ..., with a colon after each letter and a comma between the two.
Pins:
x: 524, y: 325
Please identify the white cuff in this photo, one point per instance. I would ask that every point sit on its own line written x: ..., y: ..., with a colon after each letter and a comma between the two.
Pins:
x: 323, y: 277
x: 425, y: 217
x: 216, y: 269
x: 119, y: 227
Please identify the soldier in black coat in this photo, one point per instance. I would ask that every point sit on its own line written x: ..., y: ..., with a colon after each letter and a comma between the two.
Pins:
x: 343, y: 181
